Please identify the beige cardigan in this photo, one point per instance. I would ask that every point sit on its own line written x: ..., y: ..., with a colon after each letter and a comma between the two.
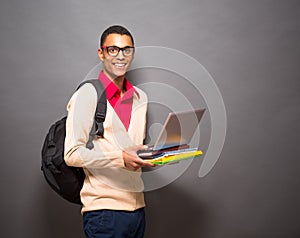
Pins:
x: 108, y: 184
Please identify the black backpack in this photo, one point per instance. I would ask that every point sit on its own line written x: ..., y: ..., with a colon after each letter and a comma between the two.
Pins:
x: 65, y: 180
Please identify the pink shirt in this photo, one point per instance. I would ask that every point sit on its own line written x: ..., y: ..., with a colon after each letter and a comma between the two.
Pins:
x: 122, y: 105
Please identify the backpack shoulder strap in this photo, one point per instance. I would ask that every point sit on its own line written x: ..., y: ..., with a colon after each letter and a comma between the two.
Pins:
x: 97, y: 128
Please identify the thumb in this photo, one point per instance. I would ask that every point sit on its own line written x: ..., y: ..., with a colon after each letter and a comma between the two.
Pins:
x: 142, y: 147
x: 137, y: 147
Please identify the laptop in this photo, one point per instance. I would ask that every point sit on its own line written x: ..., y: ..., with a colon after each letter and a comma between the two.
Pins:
x: 175, y: 134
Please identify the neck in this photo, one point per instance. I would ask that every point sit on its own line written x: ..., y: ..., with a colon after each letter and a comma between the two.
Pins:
x: 118, y: 81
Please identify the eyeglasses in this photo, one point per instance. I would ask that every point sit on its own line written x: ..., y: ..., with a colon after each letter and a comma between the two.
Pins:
x: 114, y: 50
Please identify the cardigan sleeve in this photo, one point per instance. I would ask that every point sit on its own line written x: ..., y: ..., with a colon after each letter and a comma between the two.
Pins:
x: 81, y: 110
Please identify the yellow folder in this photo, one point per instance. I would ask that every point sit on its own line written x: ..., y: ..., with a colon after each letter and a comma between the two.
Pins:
x: 171, y: 158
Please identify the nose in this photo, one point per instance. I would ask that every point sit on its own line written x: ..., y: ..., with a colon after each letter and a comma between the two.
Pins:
x: 120, y: 55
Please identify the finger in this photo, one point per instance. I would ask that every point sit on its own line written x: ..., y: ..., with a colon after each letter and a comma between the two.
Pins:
x: 131, y: 167
x: 145, y: 163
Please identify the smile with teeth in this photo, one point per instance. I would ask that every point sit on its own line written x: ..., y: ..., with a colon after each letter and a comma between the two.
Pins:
x: 119, y: 65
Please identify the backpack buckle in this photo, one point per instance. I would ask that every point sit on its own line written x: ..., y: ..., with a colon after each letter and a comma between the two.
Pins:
x: 99, y: 117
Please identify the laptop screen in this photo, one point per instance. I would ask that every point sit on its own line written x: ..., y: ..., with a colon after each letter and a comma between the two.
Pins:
x: 179, y: 128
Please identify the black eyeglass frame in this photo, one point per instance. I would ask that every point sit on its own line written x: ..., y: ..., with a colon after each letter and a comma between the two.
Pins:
x: 119, y: 48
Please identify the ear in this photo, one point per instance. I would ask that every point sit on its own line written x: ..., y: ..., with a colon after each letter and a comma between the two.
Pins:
x: 101, y: 54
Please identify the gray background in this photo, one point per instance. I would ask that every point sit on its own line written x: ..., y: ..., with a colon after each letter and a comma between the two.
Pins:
x: 251, y: 49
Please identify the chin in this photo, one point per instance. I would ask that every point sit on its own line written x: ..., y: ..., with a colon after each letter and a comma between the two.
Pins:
x: 119, y: 74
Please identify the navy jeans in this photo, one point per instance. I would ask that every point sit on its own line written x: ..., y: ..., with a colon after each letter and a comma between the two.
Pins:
x: 114, y: 224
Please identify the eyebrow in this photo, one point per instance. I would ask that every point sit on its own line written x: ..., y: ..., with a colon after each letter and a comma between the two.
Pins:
x: 105, y: 46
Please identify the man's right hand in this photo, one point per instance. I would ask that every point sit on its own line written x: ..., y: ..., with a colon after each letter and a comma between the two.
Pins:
x: 132, y: 161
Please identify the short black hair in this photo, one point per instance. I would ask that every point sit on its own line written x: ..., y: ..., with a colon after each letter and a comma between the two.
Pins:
x: 116, y: 29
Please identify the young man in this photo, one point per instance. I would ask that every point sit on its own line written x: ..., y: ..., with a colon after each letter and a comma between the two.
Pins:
x: 112, y: 194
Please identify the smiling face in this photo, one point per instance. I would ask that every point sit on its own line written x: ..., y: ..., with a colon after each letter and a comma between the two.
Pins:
x: 115, y: 67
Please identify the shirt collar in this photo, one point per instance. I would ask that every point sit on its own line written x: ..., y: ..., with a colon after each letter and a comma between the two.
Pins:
x: 112, y: 89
